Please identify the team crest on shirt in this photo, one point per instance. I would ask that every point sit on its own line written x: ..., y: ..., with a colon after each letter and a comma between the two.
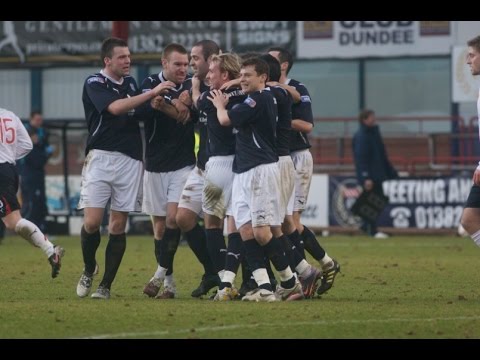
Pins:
x: 305, y: 98
x: 131, y: 112
x: 250, y: 102
x: 96, y: 79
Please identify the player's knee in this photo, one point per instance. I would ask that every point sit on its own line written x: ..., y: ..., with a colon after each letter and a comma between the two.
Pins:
x: 469, y: 224
x: 180, y: 221
x: 470, y: 229
x: 11, y: 220
x: 183, y: 221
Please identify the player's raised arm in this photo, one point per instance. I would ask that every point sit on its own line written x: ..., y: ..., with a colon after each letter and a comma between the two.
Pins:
x: 220, y: 101
x: 122, y: 106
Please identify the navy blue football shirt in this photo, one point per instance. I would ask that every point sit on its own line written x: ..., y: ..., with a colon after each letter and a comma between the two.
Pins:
x: 284, y: 122
x: 107, y: 131
x: 255, y: 120
x: 302, y: 111
x: 221, y: 139
x: 170, y: 144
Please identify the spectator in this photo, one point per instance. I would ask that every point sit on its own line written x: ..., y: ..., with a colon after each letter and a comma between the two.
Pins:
x: 32, y: 172
x: 371, y: 163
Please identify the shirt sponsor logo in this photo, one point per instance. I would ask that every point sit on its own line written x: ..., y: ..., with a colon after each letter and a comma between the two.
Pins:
x: 235, y: 93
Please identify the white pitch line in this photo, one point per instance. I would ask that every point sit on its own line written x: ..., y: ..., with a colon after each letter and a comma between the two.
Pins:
x: 393, y: 244
x: 276, y: 325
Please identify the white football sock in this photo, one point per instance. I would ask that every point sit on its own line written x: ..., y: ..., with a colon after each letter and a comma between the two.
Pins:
x: 303, y: 268
x: 476, y: 238
x: 325, y: 260
x: 169, y: 281
x: 30, y: 232
x: 160, y: 273
x: 261, y: 276
x: 229, y: 277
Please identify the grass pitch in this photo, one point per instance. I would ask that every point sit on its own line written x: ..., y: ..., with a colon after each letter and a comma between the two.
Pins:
x: 402, y: 287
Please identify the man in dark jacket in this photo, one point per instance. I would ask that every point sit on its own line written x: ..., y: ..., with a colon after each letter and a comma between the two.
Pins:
x: 32, y: 171
x: 371, y: 162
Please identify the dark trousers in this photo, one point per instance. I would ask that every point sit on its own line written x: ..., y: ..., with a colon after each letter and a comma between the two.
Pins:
x: 34, y: 200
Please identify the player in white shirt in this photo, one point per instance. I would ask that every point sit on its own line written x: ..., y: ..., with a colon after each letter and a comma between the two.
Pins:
x: 15, y: 143
x: 471, y: 213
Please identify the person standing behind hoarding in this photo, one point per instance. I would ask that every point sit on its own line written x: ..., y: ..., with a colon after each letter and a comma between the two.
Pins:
x: 32, y: 173
x: 371, y: 163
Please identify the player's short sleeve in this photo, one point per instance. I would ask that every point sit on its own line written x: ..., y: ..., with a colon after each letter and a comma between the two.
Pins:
x: 244, y: 113
x: 147, y: 84
x: 99, y: 93
x: 303, y: 109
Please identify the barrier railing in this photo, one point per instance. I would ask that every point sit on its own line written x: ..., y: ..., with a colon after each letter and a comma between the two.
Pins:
x: 349, y: 129
x: 450, y: 146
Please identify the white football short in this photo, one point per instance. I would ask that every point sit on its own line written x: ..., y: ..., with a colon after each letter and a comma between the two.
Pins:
x: 191, y: 197
x: 159, y: 189
x: 303, y: 162
x: 287, y: 183
x: 111, y: 175
x: 256, y: 196
x: 217, y: 193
